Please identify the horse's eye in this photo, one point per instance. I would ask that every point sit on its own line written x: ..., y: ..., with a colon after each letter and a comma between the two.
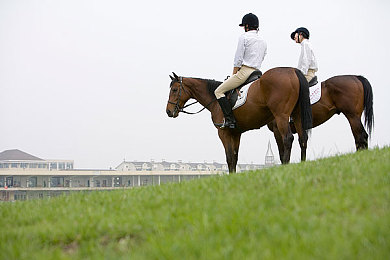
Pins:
x: 174, y: 90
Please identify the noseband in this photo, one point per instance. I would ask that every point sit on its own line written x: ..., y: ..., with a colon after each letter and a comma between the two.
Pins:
x: 181, y: 109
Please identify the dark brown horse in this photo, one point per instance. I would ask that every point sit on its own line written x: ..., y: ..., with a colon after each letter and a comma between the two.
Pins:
x: 350, y: 95
x: 279, y: 93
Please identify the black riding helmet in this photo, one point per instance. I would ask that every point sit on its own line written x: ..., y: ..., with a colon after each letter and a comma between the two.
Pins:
x: 303, y: 30
x: 251, y: 20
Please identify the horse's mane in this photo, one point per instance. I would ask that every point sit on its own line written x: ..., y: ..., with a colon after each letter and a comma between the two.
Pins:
x: 211, y: 84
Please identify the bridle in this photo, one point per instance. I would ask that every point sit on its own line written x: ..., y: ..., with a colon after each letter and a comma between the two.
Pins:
x: 181, y: 109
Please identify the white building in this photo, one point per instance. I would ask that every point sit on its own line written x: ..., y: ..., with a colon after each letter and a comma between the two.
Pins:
x: 16, y: 159
x: 24, y: 176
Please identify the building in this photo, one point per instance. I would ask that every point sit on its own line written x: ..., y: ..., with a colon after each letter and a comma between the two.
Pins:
x: 16, y: 159
x: 24, y: 176
x: 269, y: 156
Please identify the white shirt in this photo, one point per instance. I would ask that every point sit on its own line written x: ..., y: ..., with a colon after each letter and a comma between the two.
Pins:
x: 251, y: 50
x: 307, y: 60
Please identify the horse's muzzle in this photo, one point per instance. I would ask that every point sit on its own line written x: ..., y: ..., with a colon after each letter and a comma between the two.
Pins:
x: 172, y: 114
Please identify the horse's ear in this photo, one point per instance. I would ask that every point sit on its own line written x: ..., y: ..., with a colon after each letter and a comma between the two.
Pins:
x: 172, y: 78
x: 176, y: 77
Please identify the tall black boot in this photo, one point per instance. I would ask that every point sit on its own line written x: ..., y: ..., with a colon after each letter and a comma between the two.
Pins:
x: 229, y: 121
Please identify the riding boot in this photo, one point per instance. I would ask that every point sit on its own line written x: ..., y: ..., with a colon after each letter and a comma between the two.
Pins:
x: 229, y: 121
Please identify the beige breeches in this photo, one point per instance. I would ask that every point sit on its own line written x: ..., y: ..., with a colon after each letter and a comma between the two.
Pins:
x: 234, y: 81
x: 310, y: 75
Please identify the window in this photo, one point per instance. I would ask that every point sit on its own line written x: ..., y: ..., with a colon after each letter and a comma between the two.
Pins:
x: 117, y: 181
x: 53, y: 165
x: 32, y: 182
x: 10, y: 181
x: 57, y: 182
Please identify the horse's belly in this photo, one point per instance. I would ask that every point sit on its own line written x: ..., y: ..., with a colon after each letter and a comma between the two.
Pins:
x: 253, y: 120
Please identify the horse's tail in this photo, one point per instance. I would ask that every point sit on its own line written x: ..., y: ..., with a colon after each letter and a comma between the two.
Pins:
x: 368, y: 102
x: 304, y: 101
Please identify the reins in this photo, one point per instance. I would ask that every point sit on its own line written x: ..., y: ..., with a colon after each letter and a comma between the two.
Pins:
x: 181, y: 109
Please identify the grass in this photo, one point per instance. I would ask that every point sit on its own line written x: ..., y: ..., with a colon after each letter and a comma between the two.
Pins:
x: 333, y: 208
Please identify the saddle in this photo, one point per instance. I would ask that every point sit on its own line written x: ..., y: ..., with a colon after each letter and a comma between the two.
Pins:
x: 313, y: 81
x: 232, y: 95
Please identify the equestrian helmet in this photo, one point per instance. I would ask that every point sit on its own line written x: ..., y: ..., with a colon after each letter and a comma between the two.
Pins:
x: 251, y: 20
x: 303, y: 30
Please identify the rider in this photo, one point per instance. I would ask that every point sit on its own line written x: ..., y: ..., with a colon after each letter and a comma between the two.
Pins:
x: 249, y: 55
x: 307, y: 61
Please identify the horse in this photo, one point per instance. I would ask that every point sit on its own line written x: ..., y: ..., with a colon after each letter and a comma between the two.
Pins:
x: 347, y: 94
x: 279, y: 93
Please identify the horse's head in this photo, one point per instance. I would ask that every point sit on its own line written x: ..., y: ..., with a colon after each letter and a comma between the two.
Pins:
x: 178, y: 96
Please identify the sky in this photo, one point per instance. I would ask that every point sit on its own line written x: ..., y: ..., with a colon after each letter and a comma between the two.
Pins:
x: 89, y: 80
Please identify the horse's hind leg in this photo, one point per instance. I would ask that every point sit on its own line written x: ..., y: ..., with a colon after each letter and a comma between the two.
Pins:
x: 358, y: 131
x: 288, y: 138
x: 278, y: 138
x: 303, y: 137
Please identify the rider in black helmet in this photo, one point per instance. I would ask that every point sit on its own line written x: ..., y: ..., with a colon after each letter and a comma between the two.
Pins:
x: 302, y: 31
x: 249, y: 55
x: 250, y: 22
x: 307, y: 61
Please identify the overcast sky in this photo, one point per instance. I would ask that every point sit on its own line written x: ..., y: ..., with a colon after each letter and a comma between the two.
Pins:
x: 88, y: 80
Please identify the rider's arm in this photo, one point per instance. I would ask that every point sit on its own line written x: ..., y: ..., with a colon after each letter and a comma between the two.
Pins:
x: 239, y: 56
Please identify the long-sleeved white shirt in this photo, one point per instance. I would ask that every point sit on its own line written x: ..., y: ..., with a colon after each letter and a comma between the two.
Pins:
x: 251, y: 50
x: 307, y: 60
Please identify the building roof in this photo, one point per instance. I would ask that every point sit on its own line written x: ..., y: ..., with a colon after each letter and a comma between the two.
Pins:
x: 17, y: 155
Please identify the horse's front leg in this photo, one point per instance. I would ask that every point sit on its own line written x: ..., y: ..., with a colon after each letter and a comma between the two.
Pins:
x: 231, y: 143
x: 278, y: 138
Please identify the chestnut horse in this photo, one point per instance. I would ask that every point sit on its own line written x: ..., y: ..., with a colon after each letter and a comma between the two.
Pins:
x: 279, y: 93
x: 350, y: 95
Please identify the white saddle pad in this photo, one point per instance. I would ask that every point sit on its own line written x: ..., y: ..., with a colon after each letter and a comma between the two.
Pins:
x: 242, y: 96
x: 314, y: 92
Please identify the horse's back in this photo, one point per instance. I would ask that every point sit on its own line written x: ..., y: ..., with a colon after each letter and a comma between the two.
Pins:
x: 282, y: 74
x: 278, y: 84
x: 344, y: 87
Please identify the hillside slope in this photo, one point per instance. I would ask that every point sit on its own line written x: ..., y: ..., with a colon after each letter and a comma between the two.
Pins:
x: 331, y: 208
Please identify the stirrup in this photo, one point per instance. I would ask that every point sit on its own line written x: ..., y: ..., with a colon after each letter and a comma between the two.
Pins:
x: 226, y: 124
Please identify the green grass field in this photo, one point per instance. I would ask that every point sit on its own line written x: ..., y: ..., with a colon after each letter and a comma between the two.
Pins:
x: 333, y: 208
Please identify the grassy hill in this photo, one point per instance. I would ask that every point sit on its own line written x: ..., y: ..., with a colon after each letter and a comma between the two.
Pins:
x: 333, y: 208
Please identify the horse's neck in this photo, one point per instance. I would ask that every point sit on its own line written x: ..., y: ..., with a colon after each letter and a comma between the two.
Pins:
x: 201, y: 93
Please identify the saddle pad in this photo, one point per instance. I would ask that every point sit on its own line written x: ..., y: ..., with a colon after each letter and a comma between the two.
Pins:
x: 315, y: 93
x: 242, y: 96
